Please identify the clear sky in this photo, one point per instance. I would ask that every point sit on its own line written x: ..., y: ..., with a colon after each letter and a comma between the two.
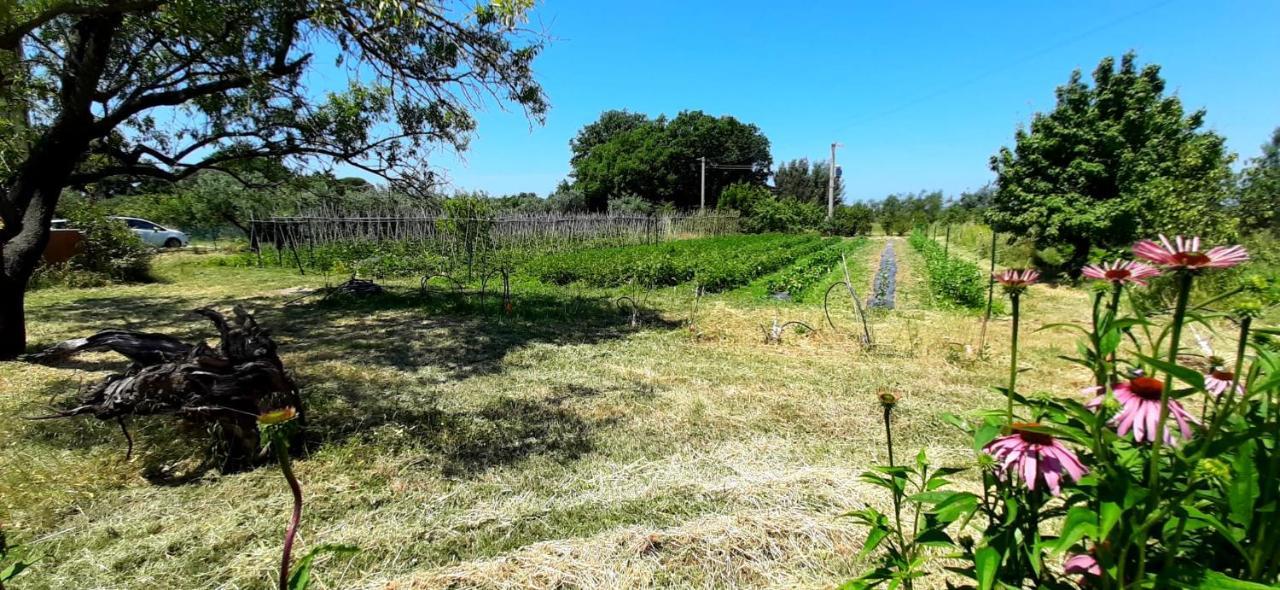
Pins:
x: 920, y: 94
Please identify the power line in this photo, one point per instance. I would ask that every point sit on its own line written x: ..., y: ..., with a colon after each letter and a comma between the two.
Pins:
x: 1007, y: 65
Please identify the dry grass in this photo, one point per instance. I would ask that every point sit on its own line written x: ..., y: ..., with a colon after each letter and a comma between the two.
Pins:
x: 547, y: 451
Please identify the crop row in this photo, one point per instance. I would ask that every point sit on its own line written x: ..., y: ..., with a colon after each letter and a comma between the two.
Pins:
x: 808, y: 270
x: 715, y: 263
x: 951, y: 280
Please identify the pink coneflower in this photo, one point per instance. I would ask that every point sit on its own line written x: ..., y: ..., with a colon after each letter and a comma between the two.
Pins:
x: 1083, y: 564
x: 1035, y: 456
x: 1218, y: 381
x: 1185, y: 253
x: 1015, y: 280
x: 1140, y: 410
x: 1121, y: 271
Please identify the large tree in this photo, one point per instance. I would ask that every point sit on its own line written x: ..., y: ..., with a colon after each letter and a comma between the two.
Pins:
x: 97, y: 90
x: 806, y: 182
x: 1259, y: 206
x: 1111, y: 163
x: 611, y: 124
x: 659, y: 160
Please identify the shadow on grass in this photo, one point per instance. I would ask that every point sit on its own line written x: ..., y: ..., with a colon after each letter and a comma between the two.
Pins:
x: 458, y: 334
x: 461, y: 333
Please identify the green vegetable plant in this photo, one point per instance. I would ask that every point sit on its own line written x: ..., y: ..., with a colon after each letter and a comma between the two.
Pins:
x: 952, y: 281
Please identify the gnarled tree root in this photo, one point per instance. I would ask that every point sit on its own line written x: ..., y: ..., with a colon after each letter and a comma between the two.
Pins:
x: 224, y: 388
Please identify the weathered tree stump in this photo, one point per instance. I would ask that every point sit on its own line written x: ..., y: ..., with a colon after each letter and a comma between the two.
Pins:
x: 224, y: 389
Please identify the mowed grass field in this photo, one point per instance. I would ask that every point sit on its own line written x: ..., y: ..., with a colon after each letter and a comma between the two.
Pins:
x: 559, y: 447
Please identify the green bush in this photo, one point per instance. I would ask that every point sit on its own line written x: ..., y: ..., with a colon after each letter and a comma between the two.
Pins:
x: 742, y: 197
x: 850, y: 220
x: 951, y: 280
x: 111, y: 252
x: 783, y: 215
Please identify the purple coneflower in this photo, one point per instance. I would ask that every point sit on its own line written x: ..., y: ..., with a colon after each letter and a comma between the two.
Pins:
x: 1218, y: 380
x: 1035, y: 456
x: 1083, y: 564
x: 1185, y: 253
x: 1140, y: 410
x: 1016, y: 280
x: 1121, y: 272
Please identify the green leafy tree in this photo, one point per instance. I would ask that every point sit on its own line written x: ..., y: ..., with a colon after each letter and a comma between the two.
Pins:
x: 894, y: 215
x: 802, y: 181
x: 742, y: 197
x: 971, y: 206
x: 1111, y: 163
x: 851, y: 220
x: 611, y: 124
x: 1259, y: 205
x: 771, y: 214
x: 659, y: 159
x: 566, y: 199
x: 94, y: 91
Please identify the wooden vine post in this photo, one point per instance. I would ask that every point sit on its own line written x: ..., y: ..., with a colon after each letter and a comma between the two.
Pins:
x: 991, y: 287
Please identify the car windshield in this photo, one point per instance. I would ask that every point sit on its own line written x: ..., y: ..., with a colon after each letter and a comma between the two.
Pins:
x: 140, y: 224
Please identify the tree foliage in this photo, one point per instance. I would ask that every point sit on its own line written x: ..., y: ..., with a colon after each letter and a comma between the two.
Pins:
x: 93, y: 92
x: 802, y: 181
x: 1259, y: 201
x: 1111, y: 162
x: 659, y: 159
x: 851, y: 220
x: 900, y: 213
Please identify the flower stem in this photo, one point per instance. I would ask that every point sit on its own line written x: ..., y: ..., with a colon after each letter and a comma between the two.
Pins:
x: 1114, y: 307
x: 282, y: 454
x: 1179, y: 317
x: 1153, y: 473
x: 1013, y: 360
x: 897, y: 501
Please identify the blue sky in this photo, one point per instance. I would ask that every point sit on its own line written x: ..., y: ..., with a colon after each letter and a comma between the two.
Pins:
x: 919, y: 93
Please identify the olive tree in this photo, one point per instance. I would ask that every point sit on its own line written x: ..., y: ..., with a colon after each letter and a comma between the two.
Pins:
x: 98, y: 91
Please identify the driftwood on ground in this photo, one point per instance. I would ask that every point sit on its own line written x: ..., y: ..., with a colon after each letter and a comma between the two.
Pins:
x: 140, y: 347
x: 224, y: 388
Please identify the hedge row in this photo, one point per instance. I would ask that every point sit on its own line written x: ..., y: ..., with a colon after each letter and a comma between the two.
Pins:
x: 715, y: 263
x: 951, y: 280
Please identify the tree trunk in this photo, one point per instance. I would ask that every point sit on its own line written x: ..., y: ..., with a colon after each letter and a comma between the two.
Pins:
x: 30, y: 195
x: 13, y: 324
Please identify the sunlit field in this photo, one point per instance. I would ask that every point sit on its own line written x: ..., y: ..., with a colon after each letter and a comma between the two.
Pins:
x: 555, y: 447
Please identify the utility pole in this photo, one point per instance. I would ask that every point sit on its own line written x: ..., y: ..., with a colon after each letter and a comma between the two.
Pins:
x: 702, y: 206
x: 831, y: 183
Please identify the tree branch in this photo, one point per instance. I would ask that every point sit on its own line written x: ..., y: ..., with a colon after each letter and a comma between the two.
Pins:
x: 11, y: 38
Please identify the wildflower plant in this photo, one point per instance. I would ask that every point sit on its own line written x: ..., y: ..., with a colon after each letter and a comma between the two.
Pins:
x: 277, y: 428
x: 1163, y: 475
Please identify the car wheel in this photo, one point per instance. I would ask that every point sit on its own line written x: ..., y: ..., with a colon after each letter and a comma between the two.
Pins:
x: 173, y: 243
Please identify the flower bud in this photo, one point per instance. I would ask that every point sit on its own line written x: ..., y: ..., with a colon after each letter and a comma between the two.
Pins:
x: 1255, y: 283
x: 1214, y: 468
x: 1249, y: 307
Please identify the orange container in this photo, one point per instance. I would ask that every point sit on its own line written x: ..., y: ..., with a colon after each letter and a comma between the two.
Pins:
x: 63, y: 244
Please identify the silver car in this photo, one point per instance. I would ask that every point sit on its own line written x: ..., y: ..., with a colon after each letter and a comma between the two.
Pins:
x: 156, y: 234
